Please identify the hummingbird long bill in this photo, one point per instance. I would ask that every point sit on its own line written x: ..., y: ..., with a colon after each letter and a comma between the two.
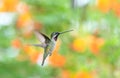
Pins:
x: 47, y: 43
x: 65, y: 31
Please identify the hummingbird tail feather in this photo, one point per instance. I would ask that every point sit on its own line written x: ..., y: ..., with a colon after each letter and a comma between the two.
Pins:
x: 44, y: 57
x: 43, y: 62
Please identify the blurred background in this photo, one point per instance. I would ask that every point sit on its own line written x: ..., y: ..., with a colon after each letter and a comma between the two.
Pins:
x: 90, y: 51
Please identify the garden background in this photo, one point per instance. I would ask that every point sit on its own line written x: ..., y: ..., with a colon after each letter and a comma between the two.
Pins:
x: 92, y: 50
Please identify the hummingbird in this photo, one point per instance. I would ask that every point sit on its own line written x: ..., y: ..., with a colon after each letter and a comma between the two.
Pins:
x: 47, y: 43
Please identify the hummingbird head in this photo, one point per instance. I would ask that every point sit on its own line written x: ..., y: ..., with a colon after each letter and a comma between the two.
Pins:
x: 55, y: 35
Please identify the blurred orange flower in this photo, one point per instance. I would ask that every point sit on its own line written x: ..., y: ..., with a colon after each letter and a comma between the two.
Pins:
x: 16, y: 43
x: 22, y: 8
x: 56, y: 59
x: 95, y: 44
x: 84, y: 75
x: 37, y: 25
x: 23, y: 19
x: 79, y: 44
x: 11, y: 5
x: 3, y: 8
x: 32, y: 53
x: 27, y: 34
x: 65, y: 74
x: 25, y: 23
x: 107, y: 5
x: 34, y: 57
x: 29, y: 49
x: 116, y: 7
x: 104, y: 5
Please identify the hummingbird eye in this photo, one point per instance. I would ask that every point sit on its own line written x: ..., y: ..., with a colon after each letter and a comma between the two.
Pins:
x: 57, y: 33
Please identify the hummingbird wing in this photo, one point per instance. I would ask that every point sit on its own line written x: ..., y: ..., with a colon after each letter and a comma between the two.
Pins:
x: 42, y: 38
x: 39, y: 45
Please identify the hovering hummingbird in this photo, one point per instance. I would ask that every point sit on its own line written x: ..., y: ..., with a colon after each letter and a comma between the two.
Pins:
x: 47, y: 43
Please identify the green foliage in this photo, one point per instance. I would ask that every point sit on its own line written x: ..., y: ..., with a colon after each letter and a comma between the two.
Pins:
x: 57, y: 15
x: 52, y: 14
x: 24, y: 69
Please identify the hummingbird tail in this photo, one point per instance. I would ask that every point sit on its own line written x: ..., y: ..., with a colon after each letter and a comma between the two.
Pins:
x: 43, y: 62
x: 44, y: 57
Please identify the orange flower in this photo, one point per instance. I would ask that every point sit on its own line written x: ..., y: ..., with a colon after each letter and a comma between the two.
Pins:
x: 37, y: 25
x: 34, y: 57
x: 32, y: 53
x: 22, y: 8
x: 65, y: 74
x: 56, y: 59
x: 116, y: 7
x: 16, y: 43
x: 84, y: 75
x: 3, y: 8
x: 27, y: 34
x: 11, y: 5
x: 79, y: 44
x: 29, y: 49
x: 23, y: 19
x: 104, y: 5
x: 95, y: 44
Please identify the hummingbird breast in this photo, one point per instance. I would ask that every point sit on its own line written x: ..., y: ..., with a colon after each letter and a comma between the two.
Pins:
x: 50, y: 47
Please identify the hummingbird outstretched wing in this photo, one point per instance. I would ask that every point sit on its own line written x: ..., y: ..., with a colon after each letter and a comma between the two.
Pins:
x: 42, y: 38
x: 44, y: 43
